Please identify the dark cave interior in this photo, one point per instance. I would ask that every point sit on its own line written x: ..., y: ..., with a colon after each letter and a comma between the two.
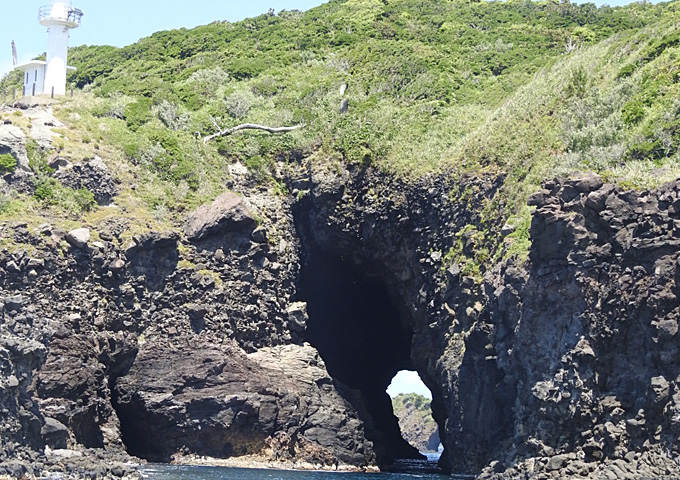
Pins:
x: 355, y: 326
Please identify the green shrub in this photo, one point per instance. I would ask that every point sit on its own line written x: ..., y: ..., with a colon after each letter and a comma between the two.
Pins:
x: 657, y: 47
x: 578, y: 83
x: 166, y: 156
x: 45, y: 190
x: 651, y: 149
x: 361, y: 143
x: 243, y: 68
x: 257, y: 167
x: 84, y: 199
x: 37, y: 158
x: 71, y: 202
x: 627, y: 71
x: 238, y: 105
x: 131, y: 151
x: 7, y: 163
x: 171, y: 115
x: 633, y: 112
x: 138, y: 113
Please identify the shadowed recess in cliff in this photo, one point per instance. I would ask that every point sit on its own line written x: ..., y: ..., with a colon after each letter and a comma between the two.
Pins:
x: 358, y: 332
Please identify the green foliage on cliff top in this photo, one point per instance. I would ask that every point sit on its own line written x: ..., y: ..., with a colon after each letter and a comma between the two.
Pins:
x: 521, y: 89
x: 425, y: 81
x: 411, y: 400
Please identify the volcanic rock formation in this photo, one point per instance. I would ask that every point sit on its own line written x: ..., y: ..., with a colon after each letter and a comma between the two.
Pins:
x: 277, y: 338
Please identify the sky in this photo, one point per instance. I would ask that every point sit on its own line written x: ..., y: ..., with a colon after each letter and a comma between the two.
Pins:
x: 122, y: 22
x: 408, y: 382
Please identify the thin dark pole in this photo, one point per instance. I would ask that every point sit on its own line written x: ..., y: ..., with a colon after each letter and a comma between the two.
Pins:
x: 52, y: 92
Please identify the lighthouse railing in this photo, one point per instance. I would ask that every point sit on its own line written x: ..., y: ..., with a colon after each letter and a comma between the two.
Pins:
x: 72, y: 15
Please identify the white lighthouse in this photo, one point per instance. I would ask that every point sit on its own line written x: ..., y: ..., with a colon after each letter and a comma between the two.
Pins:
x: 50, y: 76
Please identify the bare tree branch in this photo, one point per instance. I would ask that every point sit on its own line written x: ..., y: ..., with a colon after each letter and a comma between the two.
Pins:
x: 214, y: 122
x: 248, y: 126
x: 570, y: 45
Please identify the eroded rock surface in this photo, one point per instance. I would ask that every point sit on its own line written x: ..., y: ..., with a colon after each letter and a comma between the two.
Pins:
x: 102, y: 331
x: 588, y: 332
x: 564, y: 365
x: 13, y: 142
x: 219, y: 402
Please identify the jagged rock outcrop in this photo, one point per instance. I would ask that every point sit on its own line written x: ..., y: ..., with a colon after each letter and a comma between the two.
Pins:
x: 109, y: 318
x: 227, y: 213
x: 219, y: 402
x: 571, y: 354
x: 596, y: 313
x: 92, y: 175
x: 392, y: 233
x: 13, y: 142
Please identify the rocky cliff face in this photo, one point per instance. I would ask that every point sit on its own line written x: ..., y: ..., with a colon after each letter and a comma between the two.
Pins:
x: 278, y: 339
x: 563, y: 366
x: 587, y: 332
x: 146, y: 350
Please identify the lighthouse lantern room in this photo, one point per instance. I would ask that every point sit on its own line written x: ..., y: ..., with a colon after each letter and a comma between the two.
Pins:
x: 49, y: 76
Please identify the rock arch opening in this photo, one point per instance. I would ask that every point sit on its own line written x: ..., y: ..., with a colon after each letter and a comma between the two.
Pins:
x: 408, y: 381
x: 357, y: 328
x: 411, y: 402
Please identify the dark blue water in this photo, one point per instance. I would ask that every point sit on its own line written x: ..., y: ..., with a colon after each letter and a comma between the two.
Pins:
x: 413, y: 470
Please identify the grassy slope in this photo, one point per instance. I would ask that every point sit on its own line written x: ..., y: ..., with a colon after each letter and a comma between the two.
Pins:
x: 465, y: 87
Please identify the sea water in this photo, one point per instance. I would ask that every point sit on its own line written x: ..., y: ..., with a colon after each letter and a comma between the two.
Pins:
x: 404, y: 470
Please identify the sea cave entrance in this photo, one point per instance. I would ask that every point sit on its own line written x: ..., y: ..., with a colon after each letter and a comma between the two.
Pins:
x: 357, y: 328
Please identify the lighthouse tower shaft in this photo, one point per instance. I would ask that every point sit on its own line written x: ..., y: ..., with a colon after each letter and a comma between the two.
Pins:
x: 57, y: 53
x: 59, y: 18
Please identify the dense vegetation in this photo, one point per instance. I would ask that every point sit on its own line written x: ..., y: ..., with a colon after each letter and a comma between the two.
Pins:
x: 520, y: 89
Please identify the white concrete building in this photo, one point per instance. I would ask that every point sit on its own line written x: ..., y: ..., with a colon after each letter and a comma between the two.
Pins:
x: 49, y: 76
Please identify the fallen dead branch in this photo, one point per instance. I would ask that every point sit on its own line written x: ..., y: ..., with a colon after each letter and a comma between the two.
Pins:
x: 248, y: 126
